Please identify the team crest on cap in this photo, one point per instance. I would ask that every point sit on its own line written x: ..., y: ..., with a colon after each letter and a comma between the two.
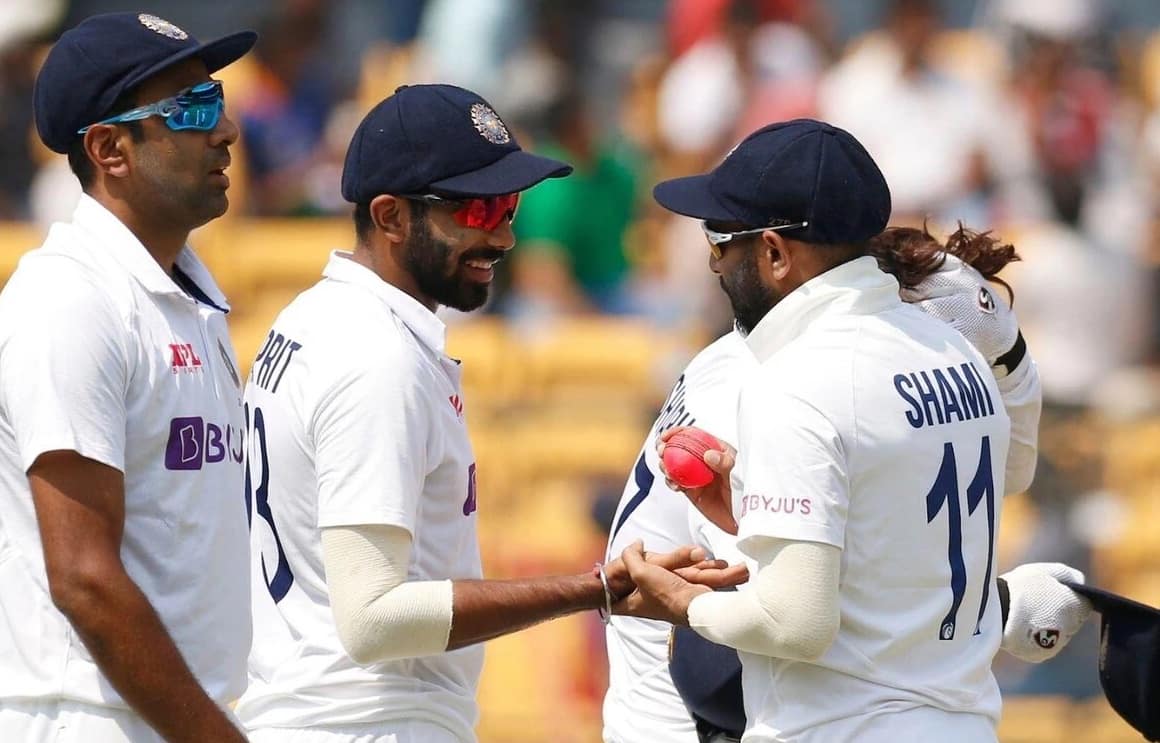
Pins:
x: 489, y: 125
x: 162, y: 26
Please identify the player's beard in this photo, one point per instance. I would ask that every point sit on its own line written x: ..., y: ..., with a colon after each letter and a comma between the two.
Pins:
x: 438, y: 271
x: 749, y: 297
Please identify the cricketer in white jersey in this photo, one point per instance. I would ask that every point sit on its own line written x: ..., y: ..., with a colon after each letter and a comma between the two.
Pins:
x: 136, y: 374
x: 339, y: 438
x: 123, y: 609
x: 642, y: 703
x: 369, y: 609
x: 872, y: 615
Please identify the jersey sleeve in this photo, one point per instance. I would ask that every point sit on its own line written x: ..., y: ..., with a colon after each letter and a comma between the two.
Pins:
x: 1023, y: 398
x: 794, y: 475
x: 64, y: 369
x: 370, y: 431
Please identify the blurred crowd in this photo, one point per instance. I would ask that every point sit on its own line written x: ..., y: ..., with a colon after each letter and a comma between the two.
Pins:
x: 1038, y: 119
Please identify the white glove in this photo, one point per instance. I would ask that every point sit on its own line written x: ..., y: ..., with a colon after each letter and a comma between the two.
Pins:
x: 959, y: 295
x: 1044, y: 614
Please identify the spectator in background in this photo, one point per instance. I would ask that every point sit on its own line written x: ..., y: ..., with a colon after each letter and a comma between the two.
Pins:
x: 21, y: 25
x: 572, y: 231
x: 739, y: 64
x: 284, y: 116
x: 1082, y: 132
x: 17, y: 73
x: 910, y: 111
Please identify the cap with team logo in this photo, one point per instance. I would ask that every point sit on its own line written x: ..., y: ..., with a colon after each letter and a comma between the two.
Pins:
x: 1129, y: 660
x: 92, y: 64
x: 441, y: 139
x: 800, y: 171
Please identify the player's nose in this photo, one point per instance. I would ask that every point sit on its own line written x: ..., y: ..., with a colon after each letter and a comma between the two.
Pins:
x: 502, y: 237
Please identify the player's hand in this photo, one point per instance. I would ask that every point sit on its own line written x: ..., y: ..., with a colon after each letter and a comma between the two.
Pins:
x: 958, y: 295
x: 690, y: 563
x: 1044, y: 613
x: 715, y: 500
x: 660, y: 594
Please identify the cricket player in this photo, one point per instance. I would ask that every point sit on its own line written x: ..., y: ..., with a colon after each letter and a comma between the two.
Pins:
x: 642, y: 702
x: 123, y: 609
x: 872, y: 447
x: 368, y: 601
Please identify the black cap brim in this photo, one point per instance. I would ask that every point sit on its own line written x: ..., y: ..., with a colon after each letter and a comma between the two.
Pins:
x: 216, y: 55
x: 691, y: 197
x: 1107, y: 601
x: 514, y: 172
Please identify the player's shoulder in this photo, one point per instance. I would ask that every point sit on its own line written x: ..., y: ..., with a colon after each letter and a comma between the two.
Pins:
x: 723, y: 358
x: 52, y: 280
x: 344, y: 333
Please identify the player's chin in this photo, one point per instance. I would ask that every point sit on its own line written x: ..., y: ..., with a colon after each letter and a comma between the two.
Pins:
x: 469, y: 295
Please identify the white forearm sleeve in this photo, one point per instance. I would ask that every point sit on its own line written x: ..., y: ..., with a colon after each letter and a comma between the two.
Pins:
x: 1023, y: 399
x: 381, y: 616
x: 790, y: 612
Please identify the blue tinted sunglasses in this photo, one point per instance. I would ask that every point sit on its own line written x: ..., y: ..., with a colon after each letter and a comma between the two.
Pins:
x: 197, y: 108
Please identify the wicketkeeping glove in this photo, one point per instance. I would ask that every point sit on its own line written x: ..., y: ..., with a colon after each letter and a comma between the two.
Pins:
x: 1044, y: 614
x: 958, y: 295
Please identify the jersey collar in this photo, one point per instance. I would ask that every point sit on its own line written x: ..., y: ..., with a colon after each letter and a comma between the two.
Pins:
x: 124, y: 246
x: 422, y: 322
x: 857, y: 287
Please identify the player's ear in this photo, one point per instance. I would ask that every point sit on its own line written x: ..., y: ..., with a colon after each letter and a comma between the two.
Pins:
x: 777, y: 253
x: 387, y: 215
x: 105, y: 146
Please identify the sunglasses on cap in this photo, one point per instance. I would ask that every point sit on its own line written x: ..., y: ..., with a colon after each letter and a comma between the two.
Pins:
x: 482, y: 213
x: 198, y: 108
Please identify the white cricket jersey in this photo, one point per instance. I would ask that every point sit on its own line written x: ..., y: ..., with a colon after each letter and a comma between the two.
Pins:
x: 642, y: 705
x: 356, y: 418
x: 876, y: 428
x: 103, y: 354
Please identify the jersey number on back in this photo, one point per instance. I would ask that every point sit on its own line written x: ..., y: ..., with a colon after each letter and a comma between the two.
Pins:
x: 280, y: 583
x: 945, y: 491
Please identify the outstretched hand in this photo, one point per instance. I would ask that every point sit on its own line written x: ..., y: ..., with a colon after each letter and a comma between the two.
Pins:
x: 715, y: 500
x: 690, y: 564
x: 660, y: 593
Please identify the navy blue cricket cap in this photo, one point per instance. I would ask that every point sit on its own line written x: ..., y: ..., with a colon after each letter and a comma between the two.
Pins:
x: 792, y: 171
x: 93, y: 63
x: 1129, y: 660
x: 441, y: 139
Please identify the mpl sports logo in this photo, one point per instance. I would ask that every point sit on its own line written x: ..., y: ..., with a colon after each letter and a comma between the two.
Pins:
x: 193, y: 443
x: 182, y: 358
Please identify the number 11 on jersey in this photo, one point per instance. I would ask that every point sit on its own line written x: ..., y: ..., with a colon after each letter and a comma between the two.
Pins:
x: 945, y: 491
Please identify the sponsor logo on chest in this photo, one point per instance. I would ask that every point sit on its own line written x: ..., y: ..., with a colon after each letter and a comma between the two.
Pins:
x: 194, y: 442
x: 183, y: 358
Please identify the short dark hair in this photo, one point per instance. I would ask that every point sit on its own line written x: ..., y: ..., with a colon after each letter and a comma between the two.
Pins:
x: 78, y: 160
x: 364, y: 224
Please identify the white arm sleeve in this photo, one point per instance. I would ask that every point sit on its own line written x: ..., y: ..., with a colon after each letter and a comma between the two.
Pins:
x: 381, y: 616
x: 790, y: 612
x: 1023, y: 399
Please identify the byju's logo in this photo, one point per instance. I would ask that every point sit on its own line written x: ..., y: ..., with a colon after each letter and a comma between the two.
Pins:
x: 193, y: 442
